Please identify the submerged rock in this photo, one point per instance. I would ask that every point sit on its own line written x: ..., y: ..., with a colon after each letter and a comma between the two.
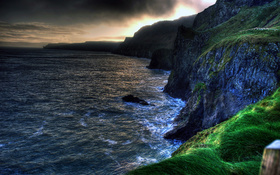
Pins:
x: 131, y: 98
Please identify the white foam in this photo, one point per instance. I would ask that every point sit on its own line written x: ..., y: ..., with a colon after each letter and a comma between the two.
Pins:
x: 144, y: 160
x: 66, y: 113
x: 2, y: 145
x: 127, y: 142
x: 111, y: 142
x: 82, y: 122
x: 88, y: 114
x: 144, y: 140
x: 39, y: 131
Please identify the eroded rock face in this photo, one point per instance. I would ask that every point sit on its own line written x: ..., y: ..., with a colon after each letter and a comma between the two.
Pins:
x: 162, y: 59
x: 187, y: 50
x: 232, y: 78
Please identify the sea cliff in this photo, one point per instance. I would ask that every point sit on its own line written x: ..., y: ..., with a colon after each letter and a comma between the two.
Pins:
x: 227, y: 69
x: 155, y: 41
x: 222, y: 69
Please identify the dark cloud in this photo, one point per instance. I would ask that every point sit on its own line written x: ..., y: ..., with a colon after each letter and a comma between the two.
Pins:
x: 34, y: 31
x: 81, y: 11
x: 8, y: 26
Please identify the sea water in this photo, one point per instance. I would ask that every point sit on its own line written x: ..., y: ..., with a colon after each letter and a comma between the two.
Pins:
x: 61, y: 112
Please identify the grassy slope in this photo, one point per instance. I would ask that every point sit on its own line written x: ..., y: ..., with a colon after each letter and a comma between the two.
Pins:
x: 255, y: 25
x: 232, y: 147
x: 236, y: 145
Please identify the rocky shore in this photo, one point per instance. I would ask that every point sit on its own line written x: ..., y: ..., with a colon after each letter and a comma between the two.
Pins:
x: 227, y: 62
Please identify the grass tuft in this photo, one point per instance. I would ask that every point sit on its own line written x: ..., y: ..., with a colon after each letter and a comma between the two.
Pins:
x: 232, y: 147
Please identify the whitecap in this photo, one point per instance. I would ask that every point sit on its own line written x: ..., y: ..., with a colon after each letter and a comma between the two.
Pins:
x: 111, y: 142
x: 144, y: 140
x: 66, y: 113
x: 82, y: 122
x: 39, y: 131
x: 127, y: 142
x: 88, y: 114
x: 145, y: 160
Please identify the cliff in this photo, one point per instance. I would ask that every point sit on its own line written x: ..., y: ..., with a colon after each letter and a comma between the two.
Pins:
x: 159, y: 36
x: 224, y: 64
x: 234, y: 147
x: 98, y: 46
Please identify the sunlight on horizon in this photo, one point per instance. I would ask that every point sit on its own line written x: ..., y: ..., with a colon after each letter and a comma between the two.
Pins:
x: 106, y: 31
x: 116, y: 33
x: 180, y: 11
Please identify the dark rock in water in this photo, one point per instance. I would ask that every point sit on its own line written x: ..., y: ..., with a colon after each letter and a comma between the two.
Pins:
x: 131, y: 98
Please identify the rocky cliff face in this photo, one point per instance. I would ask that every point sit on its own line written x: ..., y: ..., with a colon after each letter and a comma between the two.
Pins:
x: 223, y: 82
x: 162, y: 59
x: 158, y: 36
x: 219, y: 72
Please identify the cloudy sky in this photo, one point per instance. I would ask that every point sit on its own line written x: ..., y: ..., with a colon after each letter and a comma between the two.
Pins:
x: 44, y: 21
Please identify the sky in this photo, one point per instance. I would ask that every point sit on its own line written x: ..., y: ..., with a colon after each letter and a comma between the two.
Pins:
x: 73, y: 21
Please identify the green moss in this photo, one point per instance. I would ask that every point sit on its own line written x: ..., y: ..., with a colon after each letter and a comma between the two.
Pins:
x: 232, y: 147
x: 199, y: 86
x: 171, y: 76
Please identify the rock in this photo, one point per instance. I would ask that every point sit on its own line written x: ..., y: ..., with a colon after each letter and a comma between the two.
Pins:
x: 247, y: 77
x: 148, y: 39
x: 131, y: 98
x: 233, y: 74
x: 162, y: 59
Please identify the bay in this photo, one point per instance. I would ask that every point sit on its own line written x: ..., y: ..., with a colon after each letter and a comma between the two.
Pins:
x: 61, y: 112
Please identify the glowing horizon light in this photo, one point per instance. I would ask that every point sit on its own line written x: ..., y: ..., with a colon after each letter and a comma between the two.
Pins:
x: 180, y: 11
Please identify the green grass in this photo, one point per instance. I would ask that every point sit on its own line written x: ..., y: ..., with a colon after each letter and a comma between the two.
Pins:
x: 199, y: 86
x: 255, y: 25
x: 232, y: 147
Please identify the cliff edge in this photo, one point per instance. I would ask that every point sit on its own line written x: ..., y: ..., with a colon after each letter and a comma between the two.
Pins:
x: 156, y: 42
x: 228, y: 60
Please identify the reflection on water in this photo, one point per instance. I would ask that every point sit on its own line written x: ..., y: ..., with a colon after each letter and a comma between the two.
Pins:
x: 61, y: 112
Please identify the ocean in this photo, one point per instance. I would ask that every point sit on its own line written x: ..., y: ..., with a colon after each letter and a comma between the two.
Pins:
x: 61, y: 112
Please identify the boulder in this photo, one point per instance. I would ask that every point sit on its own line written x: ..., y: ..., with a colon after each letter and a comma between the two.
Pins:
x: 131, y: 98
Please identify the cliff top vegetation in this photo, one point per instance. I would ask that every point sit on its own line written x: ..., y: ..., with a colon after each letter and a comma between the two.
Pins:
x: 254, y: 25
x: 232, y: 147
